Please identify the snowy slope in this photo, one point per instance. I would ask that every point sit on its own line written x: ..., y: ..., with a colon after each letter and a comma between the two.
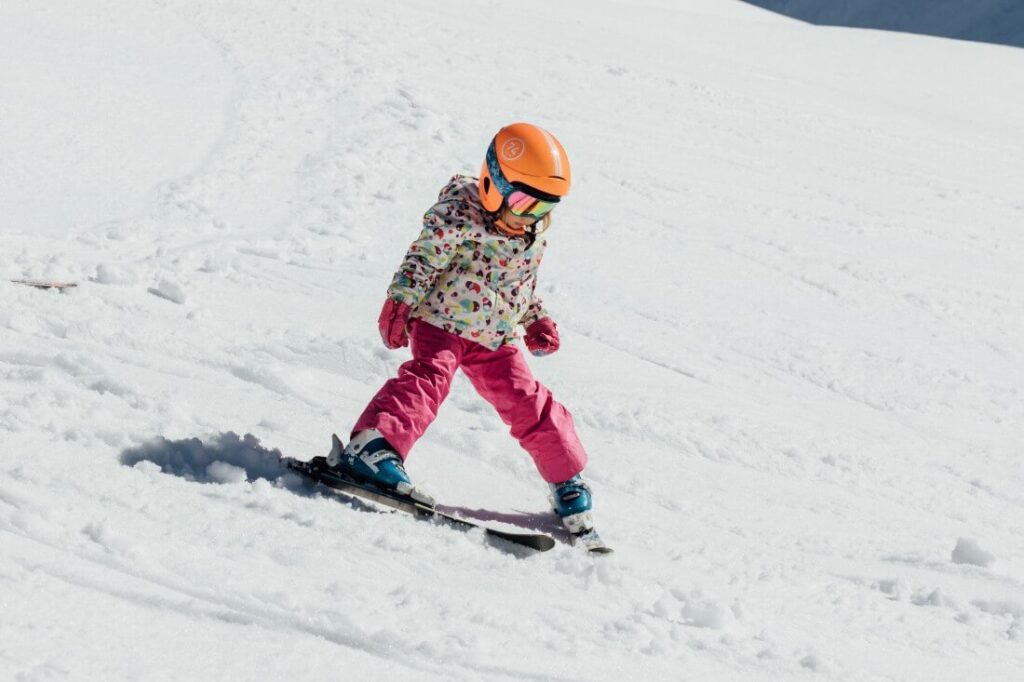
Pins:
x: 789, y: 289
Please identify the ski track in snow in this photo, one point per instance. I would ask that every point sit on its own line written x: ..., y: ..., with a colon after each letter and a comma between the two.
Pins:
x: 788, y: 288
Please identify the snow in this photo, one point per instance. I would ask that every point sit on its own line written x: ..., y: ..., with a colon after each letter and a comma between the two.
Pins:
x: 788, y: 287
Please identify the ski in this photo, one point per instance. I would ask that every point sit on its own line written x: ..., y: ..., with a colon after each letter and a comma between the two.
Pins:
x: 318, y: 471
x: 45, y: 284
x: 591, y: 542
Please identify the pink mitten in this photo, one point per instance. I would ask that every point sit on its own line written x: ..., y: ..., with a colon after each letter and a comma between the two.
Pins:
x: 394, y: 317
x: 542, y: 337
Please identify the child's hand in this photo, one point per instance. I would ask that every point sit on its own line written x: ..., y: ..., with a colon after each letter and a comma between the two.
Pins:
x: 392, y: 323
x: 542, y: 337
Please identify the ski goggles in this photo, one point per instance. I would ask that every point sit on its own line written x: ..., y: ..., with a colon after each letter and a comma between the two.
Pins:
x: 525, y: 205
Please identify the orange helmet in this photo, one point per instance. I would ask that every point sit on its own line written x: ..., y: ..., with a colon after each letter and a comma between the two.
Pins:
x: 526, y: 157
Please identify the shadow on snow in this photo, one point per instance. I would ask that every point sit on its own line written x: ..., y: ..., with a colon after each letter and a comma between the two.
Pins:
x: 544, y: 522
x: 224, y: 458
x: 230, y: 458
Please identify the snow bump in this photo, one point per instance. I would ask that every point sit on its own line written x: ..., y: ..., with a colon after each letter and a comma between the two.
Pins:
x: 968, y: 551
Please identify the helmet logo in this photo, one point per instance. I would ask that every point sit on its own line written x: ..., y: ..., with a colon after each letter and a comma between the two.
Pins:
x: 513, y: 149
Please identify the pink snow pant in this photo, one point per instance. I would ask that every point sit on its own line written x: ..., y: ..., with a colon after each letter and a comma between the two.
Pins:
x: 406, y: 405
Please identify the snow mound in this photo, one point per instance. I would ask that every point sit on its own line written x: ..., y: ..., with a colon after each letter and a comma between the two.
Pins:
x: 968, y: 551
x: 171, y: 291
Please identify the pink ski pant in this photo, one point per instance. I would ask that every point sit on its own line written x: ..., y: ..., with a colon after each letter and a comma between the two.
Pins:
x: 406, y: 405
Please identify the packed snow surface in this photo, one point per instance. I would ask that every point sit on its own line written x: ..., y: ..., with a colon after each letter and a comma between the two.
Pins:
x: 788, y: 281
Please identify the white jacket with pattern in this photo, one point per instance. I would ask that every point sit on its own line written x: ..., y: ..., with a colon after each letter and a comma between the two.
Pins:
x: 466, y: 277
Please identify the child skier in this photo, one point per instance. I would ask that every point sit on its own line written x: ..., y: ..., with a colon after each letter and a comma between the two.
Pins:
x: 463, y: 288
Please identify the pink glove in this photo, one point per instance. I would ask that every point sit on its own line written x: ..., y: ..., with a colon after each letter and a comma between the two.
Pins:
x: 394, y: 317
x: 542, y: 337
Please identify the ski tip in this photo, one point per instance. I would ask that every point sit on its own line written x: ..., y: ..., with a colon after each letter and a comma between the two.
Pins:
x: 537, y: 542
x: 542, y: 543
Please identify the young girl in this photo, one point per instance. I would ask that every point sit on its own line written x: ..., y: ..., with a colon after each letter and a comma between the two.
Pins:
x: 462, y: 290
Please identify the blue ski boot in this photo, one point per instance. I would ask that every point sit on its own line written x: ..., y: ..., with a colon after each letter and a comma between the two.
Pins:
x: 370, y: 459
x: 572, y: 502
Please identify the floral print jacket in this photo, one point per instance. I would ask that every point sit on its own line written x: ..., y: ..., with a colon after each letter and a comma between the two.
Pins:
x: 466, y: 277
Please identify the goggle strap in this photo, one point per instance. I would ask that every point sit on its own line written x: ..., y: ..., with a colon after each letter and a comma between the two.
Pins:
x: 503, y: 186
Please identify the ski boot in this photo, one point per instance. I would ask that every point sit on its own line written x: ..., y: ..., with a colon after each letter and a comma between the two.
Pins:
x: 572, y: 503
x: 370, y: 460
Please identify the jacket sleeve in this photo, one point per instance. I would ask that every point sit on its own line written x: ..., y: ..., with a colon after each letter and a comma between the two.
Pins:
x: 535, y: 309
x: 428, y: 257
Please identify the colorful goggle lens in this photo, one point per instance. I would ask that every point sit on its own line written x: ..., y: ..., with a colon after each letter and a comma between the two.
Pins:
x: 522, y: 204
